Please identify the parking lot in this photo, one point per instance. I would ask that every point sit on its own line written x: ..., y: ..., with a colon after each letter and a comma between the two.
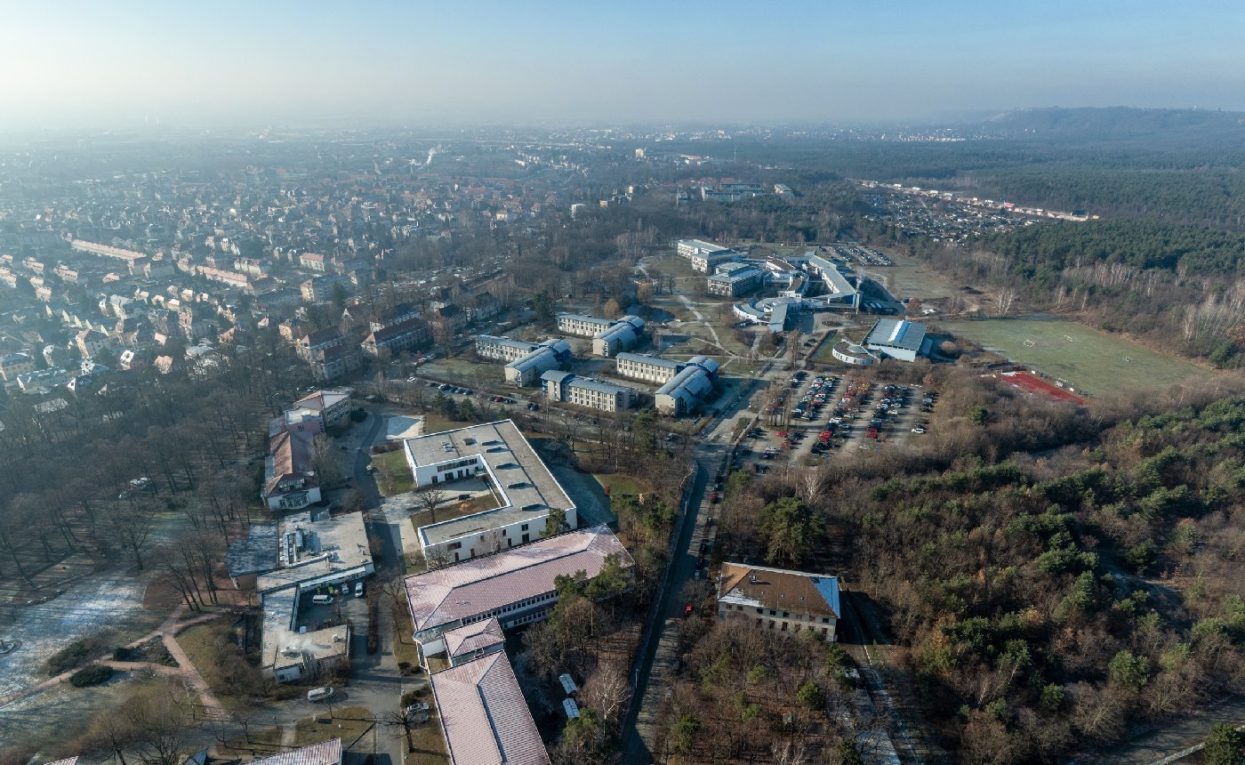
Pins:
x: 344, y: 606
x: 816, y: 415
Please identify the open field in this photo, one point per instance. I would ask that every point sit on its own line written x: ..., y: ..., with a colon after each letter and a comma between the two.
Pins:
x: 619, y: 484
x: 911, y: 278
x: 1091, y: 361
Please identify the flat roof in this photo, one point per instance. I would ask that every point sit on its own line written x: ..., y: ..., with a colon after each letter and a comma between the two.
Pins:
x: 526, y: 487
x: 309, y: 550
x: 480, y: 585
x: 282, y: 645
x: 484, y: 716
x: 586, y: 318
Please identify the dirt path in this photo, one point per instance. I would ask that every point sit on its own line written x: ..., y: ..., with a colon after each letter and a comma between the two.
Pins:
x: 166, y: 631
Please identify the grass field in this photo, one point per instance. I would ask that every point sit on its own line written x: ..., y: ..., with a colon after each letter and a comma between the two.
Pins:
x: 1092, y: 361
x: 618, y: 484
x: 393, y: 476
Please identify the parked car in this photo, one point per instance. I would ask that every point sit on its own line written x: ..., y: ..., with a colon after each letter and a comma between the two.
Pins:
x: 688, y: 609
x: 322, y: 600
x: 358, y: 589
x: 319, y: 694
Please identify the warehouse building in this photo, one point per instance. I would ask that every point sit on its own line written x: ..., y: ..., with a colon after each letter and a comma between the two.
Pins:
x: 641, y: 366
x: 619, y: 336
x: 586, y: 391
x: 898, y: 339
x: 684, y: 392
x: 525, y: 492
x: 526, y: 370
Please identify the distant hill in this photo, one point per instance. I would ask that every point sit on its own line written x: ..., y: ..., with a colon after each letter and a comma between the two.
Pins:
x: 1119, y: 124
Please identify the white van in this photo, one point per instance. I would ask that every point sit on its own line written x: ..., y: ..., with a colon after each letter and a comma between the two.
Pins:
x: 319, y: 694
x: 322, y: 600
x: 358, y: 589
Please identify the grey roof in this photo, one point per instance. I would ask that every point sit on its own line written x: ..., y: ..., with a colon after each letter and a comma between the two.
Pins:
x: 254, y: 554
x: 896, y: 333
x: 527, y: 488
x: 590, y: 383
x: 556, y: 375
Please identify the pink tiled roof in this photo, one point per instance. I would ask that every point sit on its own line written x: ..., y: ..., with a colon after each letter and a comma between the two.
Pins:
x: 325, y: 753
x: 473, y: 637
x: 484, y: 716
x: 481, y: 585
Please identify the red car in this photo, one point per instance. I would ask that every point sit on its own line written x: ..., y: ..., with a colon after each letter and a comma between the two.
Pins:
x: 688, y: 609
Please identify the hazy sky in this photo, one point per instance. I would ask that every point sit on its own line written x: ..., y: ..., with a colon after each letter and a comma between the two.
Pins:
x: 104, y: 62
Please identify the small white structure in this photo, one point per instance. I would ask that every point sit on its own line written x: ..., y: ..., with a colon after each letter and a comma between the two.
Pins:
x: 851, y: 353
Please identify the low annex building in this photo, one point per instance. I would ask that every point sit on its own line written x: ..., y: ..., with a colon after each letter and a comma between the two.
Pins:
x: 524, y: 490
x: 324, y: 753
x: 778, y: 599
x: 514, y: 586
x: 313, y: 553
x: 586, y: 391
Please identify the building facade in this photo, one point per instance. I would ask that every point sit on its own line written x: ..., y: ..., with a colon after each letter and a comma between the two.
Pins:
x: 651, y: 369
x: 685, y: 392
x: 779, y: 600
x: 586, y: 391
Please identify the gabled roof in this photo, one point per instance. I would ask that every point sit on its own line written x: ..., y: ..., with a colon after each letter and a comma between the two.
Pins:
x: 474, y: 637
x: 480, y: 585
x: 325, y: 753
x: 484, y: 716
x: 777, y: 588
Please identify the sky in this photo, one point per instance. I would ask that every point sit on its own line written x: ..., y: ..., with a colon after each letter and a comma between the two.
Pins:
x: 67, y: 64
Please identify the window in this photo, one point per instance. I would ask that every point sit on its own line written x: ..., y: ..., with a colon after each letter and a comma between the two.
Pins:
x: 825, y: 620
x: 773, y: 612
x: 760, y: 610
x: 523, y: 527
x: 454, y: 546
x: 785, y: 614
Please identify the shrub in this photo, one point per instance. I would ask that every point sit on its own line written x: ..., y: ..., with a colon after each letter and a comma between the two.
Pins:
x: 91, y: 675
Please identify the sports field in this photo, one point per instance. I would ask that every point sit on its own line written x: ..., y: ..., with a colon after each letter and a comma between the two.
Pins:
x: 1091, y: 361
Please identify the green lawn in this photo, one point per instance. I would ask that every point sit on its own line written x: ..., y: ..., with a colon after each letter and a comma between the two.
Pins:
x: 618, y: 484
x: 823, y: 351
x: 1092, y: 361
x: 393, y: 475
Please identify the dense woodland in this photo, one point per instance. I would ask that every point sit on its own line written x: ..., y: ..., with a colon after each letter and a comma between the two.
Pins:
x: 1060, y: 575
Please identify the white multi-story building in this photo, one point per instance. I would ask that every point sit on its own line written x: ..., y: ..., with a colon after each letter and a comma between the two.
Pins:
x: 586, y: 391
x: 778, y: 599
x: 705, y: 256
x: 582, y: 325
x: 523, y: 489
x: 502, y: 348
x: 734, y: 279
x: 640, y: 366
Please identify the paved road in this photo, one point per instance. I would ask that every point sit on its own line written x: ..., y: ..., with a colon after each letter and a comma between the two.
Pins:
x: 654, y: 673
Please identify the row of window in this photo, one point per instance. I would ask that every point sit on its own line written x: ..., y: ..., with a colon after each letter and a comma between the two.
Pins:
x: 785, y: 614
